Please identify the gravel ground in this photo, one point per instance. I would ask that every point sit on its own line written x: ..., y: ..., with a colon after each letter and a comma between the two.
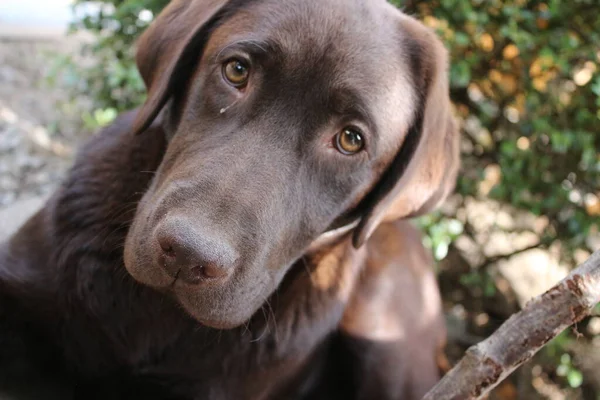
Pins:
x: 37, y: 132
x: 36, y: 137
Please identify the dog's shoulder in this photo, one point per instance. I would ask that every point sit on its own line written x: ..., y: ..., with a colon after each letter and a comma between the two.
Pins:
x: 63, y: 267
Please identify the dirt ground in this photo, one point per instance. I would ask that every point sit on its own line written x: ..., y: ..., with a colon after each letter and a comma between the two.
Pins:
x: 36, y: 137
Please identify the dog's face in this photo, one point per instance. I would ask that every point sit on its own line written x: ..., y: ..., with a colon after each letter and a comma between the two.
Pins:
x: 283, y: 117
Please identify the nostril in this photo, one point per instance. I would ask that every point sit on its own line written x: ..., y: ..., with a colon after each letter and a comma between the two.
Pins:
x: 200, y: 273
x: 197, y: 272
x: 213, y: 272
x: 191, y: 256
x: 166, y: 247
x: 169, y: 251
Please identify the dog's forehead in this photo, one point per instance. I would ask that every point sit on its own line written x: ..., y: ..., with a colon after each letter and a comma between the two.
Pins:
x: 355, y: 29
x: 296, y: 24
x: 354, y: 43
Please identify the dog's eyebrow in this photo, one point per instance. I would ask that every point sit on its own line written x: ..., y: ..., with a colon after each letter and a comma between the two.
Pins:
x: 348, y: 101
x: 257, y: 45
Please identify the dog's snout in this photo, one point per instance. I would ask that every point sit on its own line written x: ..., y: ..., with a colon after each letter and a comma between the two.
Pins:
x: 187, y: 254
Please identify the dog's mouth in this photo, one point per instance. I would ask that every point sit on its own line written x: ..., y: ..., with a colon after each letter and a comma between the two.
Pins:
x: 180, y: 288
x: 175, y: 278
x: 223, y: 308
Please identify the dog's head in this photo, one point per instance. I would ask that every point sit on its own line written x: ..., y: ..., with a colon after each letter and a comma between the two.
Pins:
x: 285, y: 119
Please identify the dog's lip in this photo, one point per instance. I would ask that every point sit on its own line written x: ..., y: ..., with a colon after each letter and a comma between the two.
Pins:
x: 216, y: 324
x: 180, y: 283
x: 175, y: 278
x: 210, y: 323
x: 199, y: 284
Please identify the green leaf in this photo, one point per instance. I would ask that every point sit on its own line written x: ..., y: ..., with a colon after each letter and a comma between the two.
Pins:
x: 575, y: 378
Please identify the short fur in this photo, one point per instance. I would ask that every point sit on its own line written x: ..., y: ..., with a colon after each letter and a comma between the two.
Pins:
x: 249, y: 181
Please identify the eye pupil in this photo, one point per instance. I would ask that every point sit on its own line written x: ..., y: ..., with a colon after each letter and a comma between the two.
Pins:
x: 236, y: 73
x: 239, y: 68
x: 349, y: 141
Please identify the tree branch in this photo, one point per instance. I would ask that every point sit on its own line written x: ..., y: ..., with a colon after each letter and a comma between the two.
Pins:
x: 522, y: 335
x: 494, y: 259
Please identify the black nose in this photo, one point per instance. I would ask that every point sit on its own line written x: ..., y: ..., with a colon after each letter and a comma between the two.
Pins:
x: 192, y: 255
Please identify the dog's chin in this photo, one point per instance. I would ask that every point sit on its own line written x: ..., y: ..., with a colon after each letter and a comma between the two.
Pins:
x: 189, y: 297
x: 214, y: 324
x: 215, y: 316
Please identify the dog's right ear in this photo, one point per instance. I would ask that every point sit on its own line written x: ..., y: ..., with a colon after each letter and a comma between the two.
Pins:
x: 424, y: 170
x: 167, y: 49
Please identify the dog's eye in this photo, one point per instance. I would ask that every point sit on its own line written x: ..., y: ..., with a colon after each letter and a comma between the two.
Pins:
x: 349, y: 141
x: 236, y: 72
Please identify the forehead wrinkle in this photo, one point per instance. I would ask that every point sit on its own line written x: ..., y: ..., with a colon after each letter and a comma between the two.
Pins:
x: 301, y: 31
x: 250, y: 45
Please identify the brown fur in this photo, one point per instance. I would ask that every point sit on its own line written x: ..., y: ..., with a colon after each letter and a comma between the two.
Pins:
x: 93, y: 306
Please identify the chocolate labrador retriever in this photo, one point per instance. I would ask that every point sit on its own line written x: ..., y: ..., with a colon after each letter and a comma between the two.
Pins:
x: 239, y: 236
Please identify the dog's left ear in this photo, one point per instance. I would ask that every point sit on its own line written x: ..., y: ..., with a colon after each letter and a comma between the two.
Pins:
x: 168, y: 49
x: 424, y: 171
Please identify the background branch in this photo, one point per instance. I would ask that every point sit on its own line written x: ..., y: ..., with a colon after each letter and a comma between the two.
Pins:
x: 518, y: 339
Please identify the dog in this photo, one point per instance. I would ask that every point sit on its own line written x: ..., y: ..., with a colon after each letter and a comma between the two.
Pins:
x: 243, y: 234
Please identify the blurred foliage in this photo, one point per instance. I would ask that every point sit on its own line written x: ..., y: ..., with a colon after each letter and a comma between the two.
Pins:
x: 555, y: 353
x: 525, y: 80
x: 440, y: 232
x: 112, y: 75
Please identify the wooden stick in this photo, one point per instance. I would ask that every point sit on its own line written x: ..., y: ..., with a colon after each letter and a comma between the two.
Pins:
x: 488, y: 363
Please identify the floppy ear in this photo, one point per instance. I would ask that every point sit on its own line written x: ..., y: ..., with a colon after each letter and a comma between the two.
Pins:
x: 167, y: 50
x: 424, y: 171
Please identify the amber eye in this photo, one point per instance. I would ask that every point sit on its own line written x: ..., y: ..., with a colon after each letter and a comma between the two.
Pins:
x: 236, y: 72
x: 349, y: 141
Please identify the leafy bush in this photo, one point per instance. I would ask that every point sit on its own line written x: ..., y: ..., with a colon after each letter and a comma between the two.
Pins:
x: 525, y: 81
x: 112, y: 78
